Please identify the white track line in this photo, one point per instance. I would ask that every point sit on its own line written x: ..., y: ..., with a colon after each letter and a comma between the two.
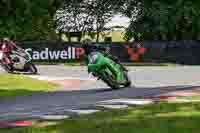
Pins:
x: 53, y: 78
x: 83, y: 111
x: 127, y: 101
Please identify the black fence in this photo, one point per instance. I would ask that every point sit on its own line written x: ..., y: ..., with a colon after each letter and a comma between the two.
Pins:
x: 182, y: 52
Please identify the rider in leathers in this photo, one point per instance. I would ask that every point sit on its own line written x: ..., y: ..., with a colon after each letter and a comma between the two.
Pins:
x: 7, y: 46
x: 90, y: 48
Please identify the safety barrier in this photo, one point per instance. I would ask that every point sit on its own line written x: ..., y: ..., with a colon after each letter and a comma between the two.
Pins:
x: 184, y: 52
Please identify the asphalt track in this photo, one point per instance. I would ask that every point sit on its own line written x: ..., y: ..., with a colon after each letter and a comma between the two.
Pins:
x: 147, y: 82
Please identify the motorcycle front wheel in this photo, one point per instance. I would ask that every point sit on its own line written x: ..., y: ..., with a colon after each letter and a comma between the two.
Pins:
x: 108, y: 79
x: 7, y: 68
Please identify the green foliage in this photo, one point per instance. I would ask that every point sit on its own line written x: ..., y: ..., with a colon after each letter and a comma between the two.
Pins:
x: 27, y: 20
x: 84, y: 16
x: 150, y: 19
x: 166, y: 20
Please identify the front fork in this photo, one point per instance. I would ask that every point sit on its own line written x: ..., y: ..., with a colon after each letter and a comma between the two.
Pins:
x: 115, y: 69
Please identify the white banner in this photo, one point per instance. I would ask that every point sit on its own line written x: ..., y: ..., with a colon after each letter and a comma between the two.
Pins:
x: 46, y: 54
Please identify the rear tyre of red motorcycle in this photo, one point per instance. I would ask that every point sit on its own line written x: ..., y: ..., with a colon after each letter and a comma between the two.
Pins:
x: 32, y: 69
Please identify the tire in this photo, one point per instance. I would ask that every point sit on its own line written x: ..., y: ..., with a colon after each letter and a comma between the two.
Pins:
x: 6, y: 68
x: 109, y: 81
x: 128, y: 81
x: 32, y: 69
x: 125, y: 73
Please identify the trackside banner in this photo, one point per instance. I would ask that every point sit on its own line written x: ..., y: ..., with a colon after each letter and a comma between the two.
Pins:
x: 49, y: 54
x: 183, y: 52
x: 63, y: 52
x: 52, y: 51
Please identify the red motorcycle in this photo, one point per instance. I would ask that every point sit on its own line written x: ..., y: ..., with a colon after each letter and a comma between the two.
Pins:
x: 15, y: 60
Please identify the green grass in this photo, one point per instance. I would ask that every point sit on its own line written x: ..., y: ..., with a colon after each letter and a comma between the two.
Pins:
x: 14, y: 85
x: 189, y: 98
x: 160, y: 118
x: 77, y: 63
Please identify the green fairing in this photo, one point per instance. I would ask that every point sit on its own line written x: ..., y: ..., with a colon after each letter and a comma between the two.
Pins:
x: 111, y: 66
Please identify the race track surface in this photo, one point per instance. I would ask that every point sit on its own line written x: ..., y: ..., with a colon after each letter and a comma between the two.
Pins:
x: 147, y: 81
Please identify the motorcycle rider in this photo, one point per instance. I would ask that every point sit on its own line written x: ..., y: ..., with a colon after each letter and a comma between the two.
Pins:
x: 7, y: 47
x: 89, y: 47
x: 90, y: 50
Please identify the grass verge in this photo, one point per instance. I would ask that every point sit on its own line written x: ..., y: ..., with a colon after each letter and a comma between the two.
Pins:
x: 190, y: 98
x: 14, y: 85
x: 126, y: 64
x: 158, y: 118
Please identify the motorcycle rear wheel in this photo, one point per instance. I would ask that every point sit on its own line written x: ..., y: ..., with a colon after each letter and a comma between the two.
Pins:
x: 32, y: 68
x: 128, y: 81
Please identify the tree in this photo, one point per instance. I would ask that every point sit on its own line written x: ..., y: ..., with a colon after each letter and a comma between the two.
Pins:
x: 164, y: 20
x: 74, y: 17
x: 84, y: 16
x: 102, y: 11
x: 27, y: 20
x: 132, y: 9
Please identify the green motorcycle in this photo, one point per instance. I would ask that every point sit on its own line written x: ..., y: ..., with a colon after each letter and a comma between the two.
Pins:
x: 108, y: 69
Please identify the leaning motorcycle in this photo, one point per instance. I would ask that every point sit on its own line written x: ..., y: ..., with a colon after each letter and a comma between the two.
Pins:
x: 22, y: 62
x: 108, y: 69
